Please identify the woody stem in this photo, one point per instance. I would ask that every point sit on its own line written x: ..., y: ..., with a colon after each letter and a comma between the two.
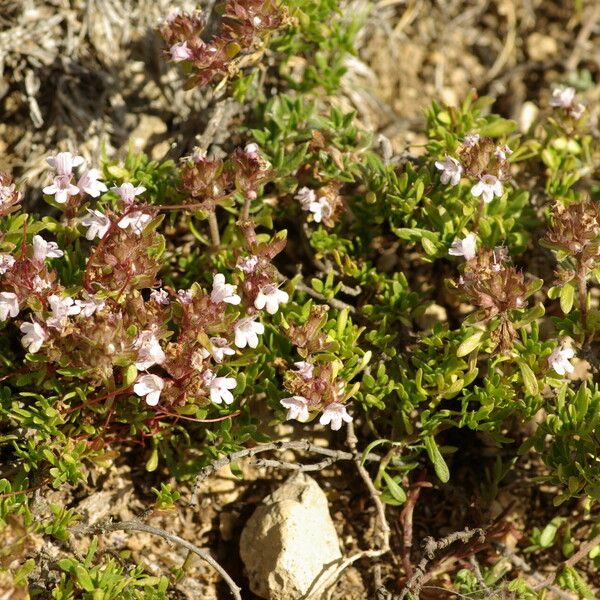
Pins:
x: 582, y: 293
x: 214, y: 229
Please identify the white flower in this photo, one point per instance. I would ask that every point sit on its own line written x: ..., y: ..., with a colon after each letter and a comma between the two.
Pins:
x: 128, y: 191
x: 564, y: 97
x: 63, y: 163
x: 304, y: 369
x: 97, y: 223
x: 61, y: 308
x: 180, y: 52
x: 223, y: 292
x: 136, y: 220
x: 90, y: 184
x: 6, y: 193
x: 43, y: 249
x: 305, y: 196
x: 247, y: 331
x: 270, y: 296
x: 466, y: 247
x: 502, y: 152
x: 40, y: 284
x: 335, y: 413
x: 9, y: 305
x: 185, y: 296
x: 61, y: 188
x: 576, y: 110
x: 252, y: 151
x: 220, y: 349
x: 487, y: 187
x: 34, y: 337
x: 160, y: 296
x: 320, y: 209
x: 149, y: 351
x: 297, y: 408
x: 90, y: 305
x: 559, y: 360
x: 150, y: 386
x: 219, y: 387
x: 6, y: 263
x: 451, y: 170
x: 247, y: 264
x: 471, y: 139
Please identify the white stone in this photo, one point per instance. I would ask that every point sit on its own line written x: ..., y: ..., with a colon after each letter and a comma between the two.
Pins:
x: 290, y: 542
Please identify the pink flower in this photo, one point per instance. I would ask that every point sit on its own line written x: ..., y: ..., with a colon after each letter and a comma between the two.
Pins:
x: 451, y: 170
x: 220, y: 349
x: 185, y: 296
x: 9, y: 305
x: 487, y: 187
x: 128, y: 192
x: 304, y: 369
x: 247, y: 331
x: 63, y: 163
x: 247, y: 264
x: 34, y: 337
x: 43, y: 249
x: 306, y: 197
x: 149, y: 386
x: 97, y: 223
x: 62, y: 309
x: 270, y: 296
x: 180, y: 52
x: 559, y: 360
x: 90, y: 184
x: 137, y: 220
x: 335, y: 413
x: 6, y: 263
x: 160, y: 296
x: 223, y: 292
x: 564, y: 97
x: 297, y: 408
x: 149, y: 351
x: 502, y: 152
x: 252, y: 151
x: 466, y: 247
x: 219, y: 387
x: 89, y: 305
x: 61, y: 188
x: 471, y: 139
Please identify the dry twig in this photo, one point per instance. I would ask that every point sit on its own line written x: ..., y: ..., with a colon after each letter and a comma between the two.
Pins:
x: 302, y: 445
x: 175, y: 539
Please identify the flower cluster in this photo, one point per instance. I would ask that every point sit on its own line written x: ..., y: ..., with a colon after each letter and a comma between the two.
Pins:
x: 496, y: 288
x: 176, y: 341
x: 208, y: 181
x: 63, y: 187
x: 313, y: 384
x: 243, y: 25
x: 481, y: 159
x: 575, y: 231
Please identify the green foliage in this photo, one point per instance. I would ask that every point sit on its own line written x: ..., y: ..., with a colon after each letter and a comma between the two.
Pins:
x: 365, y: 247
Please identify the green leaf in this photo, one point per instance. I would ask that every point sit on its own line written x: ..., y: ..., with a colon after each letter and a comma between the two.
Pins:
x: 567, y: 295
x: 529, y: 379
x: 435, y: 456
x: 471, y: 343
x: 498, y: 127
x: 397, y: 492
x: 84, y: 579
